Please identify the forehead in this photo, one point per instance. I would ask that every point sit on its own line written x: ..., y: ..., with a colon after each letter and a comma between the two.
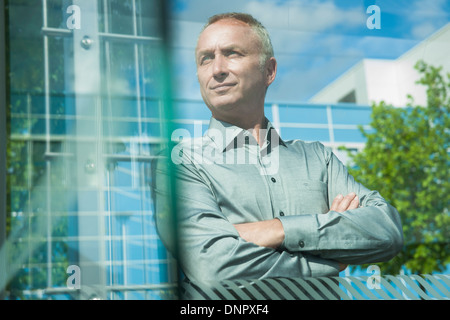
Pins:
x: 227, y: 32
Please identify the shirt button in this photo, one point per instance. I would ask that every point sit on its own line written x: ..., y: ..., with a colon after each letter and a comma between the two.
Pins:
x: 273, y: 179
x: 301, y: 243
x: 281, y: 213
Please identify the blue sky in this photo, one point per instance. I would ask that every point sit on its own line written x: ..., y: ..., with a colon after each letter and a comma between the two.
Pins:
x: 315, y: 41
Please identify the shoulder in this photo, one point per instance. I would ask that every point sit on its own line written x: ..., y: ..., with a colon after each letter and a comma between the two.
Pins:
x: 310, y: 149
x: 190, y: 150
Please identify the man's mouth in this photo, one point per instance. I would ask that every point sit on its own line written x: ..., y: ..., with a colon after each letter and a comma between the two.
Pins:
x: 223, y: 86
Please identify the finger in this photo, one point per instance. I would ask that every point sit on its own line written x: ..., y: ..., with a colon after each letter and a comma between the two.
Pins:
x: 354, y: 204
x: 337, y: 200
x: 345, y: 203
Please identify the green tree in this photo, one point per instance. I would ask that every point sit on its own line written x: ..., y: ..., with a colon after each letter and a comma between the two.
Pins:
x: 26, y: 161
x: 406, y: 158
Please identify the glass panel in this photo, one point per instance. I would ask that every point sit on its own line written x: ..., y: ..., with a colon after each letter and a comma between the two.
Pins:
x: 351, y: 115
x: 335, y: 58
x: 132, y: 17
x: 303, y: 114
x: 305, y: 134
x: 192, y: 110
x: 118, y: 17
x: 348, y: 135
x: 56, y: 13
x: 148, y: 18
x: 88, y: 98
x: 80, y: 214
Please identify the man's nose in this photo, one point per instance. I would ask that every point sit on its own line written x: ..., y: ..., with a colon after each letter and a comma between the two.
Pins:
x: 220, y: 69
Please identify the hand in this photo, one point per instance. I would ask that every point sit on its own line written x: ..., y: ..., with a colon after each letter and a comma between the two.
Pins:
x: 268, y: 233
x: 341, y: 203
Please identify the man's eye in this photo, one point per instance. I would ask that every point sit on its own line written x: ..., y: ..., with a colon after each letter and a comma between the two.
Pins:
x: 233, y: 53
x: 205, y: 59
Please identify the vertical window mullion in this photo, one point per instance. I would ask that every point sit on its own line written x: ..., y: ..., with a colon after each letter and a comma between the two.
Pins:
x: 48, y: 233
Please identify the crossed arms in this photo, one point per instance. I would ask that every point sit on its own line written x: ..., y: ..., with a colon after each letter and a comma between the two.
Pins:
x: 270, y: 233
x: 358, y: 228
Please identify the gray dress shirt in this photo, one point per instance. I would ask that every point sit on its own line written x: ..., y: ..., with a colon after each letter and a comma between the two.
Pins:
x: 226, y: 178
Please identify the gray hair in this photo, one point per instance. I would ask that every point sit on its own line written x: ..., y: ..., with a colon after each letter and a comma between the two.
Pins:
x: 258, y: 28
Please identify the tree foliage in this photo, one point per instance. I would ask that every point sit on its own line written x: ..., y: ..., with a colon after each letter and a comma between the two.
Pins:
x: 406, y: 158
x: 28, y: 253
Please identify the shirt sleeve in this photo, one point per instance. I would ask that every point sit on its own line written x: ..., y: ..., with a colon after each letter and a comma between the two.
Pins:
x: 209, y: 247
x: 369, y: 234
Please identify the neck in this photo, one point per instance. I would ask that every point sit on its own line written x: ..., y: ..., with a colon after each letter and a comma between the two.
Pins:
x: 253, y: 123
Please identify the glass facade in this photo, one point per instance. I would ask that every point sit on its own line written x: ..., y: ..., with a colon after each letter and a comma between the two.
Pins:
x: 328, y: 123
x: 85, y: 114
x: 86, y: 110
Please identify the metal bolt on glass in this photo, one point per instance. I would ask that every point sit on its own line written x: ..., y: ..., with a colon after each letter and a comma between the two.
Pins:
x: 89, y: 166
x: 86, y: 42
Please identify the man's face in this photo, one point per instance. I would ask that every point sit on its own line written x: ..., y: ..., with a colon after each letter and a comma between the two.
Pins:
x: 229, y: 70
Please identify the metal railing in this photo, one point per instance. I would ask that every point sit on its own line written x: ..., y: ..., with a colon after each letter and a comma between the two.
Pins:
x: 402, y: 287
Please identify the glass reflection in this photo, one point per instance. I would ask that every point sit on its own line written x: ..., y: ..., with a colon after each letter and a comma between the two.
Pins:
x: 80, y: 147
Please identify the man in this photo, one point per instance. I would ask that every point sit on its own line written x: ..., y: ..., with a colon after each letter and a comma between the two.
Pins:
x: 251, y: 205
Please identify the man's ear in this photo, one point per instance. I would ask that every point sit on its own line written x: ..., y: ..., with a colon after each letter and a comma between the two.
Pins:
x: 271, y: 70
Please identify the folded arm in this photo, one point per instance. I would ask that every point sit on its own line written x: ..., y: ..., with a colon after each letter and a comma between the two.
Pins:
x: 210, y: 247
x: 370, y: 233
x: 359, y: 228
x: 270, y: 233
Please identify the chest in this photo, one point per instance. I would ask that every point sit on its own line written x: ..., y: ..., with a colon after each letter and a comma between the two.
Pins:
x: 269, y: 187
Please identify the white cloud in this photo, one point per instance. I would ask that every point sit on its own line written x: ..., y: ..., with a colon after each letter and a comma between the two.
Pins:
x: 302, y: 74
x: 423, y: 30
x: 427, y: 17
x: 311, y: 15
x: 427, y: 10
x: 314, y: 40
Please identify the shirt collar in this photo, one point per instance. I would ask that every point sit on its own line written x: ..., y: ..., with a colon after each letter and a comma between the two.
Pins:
x: 228, y: 133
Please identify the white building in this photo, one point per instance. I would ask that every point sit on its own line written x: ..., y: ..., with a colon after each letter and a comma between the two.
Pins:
x: 375, y: 80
